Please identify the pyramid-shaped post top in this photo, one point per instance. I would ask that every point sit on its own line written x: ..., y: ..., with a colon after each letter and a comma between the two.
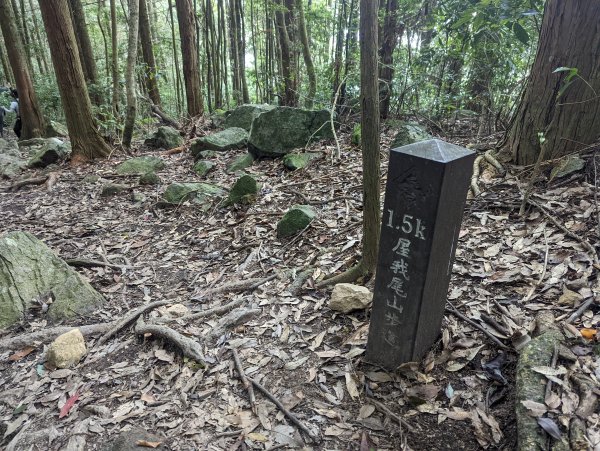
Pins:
x: 434, y: 150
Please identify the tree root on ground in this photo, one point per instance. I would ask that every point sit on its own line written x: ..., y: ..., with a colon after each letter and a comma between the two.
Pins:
x: 47, y: 335
x: 350, y: 275
x: 232, y: 319
x: 296, y: 286
x: 490, y: 158
x: 236, y: 287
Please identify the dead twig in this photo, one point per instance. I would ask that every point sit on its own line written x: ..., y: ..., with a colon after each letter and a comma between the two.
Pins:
x: 175, y: 150
x: 450, y: 308
x: 128, y: 319
x: 383, y: 409
x: 46, y: 335
x: 204, y: 313
x: 582, y: 308
x: 286, y: 412
x: 83, y: 263
x: 245, y: 382
x: 236, y: 287
x: 190, y: 348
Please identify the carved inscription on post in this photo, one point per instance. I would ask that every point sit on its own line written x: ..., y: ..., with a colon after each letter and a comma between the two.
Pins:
x: 424, y: 201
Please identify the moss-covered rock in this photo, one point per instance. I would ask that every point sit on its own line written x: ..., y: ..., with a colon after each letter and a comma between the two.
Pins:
x: 243, y: 191
x: 149, y: 178
x: 230, y: 138
x: 202, y: 194
x: 567, y: 166
x: 56, y: 129
x: 356, y: 135
x: 243, y: 115
x: 207, y: 154
x: 51, y: 151
x: 165, y: 138
x: 11, y: 160
x: 294, y: 161
x: 28, y: 270
x: 240, y: 163
x: 295, y: 220
x: 112, y: 189
x: 409, y: 133
x: 141, y: 165
x: 203, y: 167
x: 279, y: 131
x: 91, y: 179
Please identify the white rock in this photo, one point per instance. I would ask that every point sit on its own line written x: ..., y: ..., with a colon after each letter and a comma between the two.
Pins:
x: 347, y: 297
x: 178, y: 310
x: 67, y: 349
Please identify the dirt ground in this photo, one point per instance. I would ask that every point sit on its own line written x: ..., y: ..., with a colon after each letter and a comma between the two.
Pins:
x: 507, y: 268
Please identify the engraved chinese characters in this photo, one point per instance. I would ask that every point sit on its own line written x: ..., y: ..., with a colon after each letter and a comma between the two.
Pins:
x: 424, y: 201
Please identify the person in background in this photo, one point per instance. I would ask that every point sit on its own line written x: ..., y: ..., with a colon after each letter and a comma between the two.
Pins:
x: 14, y: 108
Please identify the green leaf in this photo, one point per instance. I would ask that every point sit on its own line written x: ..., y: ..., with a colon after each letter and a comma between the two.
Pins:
x: 520, y: 33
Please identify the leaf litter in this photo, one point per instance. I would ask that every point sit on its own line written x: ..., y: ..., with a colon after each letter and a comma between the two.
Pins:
x: 507, y: 268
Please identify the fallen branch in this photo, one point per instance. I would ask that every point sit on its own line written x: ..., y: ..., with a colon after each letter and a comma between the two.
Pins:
x: 286, y: 412
x: 30, y: 181
x: 175, y: 150
x: 450, y: 308
x: 204, y: 313
x: 46, y: 335
x: 190, y: 348
x: 128, y: 319
x: 582, y: 308
x: 165, y: 117
x: 232, y: 319
x: 245, y: 382
x: 296, y: 285
x: 236, y: 287
x: 391, y: 414
x: 83, y: 263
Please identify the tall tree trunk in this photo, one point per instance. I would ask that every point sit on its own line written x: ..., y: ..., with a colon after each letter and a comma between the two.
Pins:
x: 40, y: 47
x: 134, y: 20
x: 176, y: 73
x: 241, y: 48
x: 86, y: 53
x: 8, y: 75
x: 150, y: 72
x: 29, y: 40
x: 290, y: 96
x: 571, y: 121
x: 33, y: 125
x: 86, y: 142
x: 189, y: 53
x: 308, y: 62
x: 21, y: 31
x: 391, y: 31
x: 114, y: 67
x: 100, y: 18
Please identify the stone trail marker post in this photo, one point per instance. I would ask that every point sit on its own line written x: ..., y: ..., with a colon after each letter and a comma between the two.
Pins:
x: 424, y: 201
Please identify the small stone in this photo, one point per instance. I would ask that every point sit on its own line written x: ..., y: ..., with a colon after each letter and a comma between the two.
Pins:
x: 202, y: 167
x: 409, y: 133
x: 178, y: 310
x: 295, y: 220
x: 243, y: 191
x: 347, y: 297
x: 67, y: 350
x: 230, y: 138
x: 149, y: 178
x: 140, y: 165
x: 137, y: 198
x: 569, y: 298
x: 112, y: 189
x: 165, y: 138
x: 199, y: 193
x: 240, y: 163
x: 295, y: 161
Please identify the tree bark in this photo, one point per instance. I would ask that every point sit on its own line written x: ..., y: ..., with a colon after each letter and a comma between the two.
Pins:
x: 6, y: 72
x: 86, y: 142
x: 390, y: 33
x: 148, y: 54
x: 40, y: 48
x: 308, y: 62
x: 134, y: 20
x: 84, y: 44
x: 114, y: 67
x: 189, y: 53
x: 29, y: 109
x: 569, y: 38
x: 290, y: 97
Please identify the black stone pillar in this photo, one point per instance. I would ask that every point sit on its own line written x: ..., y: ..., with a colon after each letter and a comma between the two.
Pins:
x: 424, y: 201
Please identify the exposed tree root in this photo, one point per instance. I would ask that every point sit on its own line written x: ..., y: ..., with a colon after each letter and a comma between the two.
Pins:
x: 190, y: 348
x: 232, y: 319
x: 247, y: 384
x: 296, y: 286
x: 236, y: 287
x: 203, y: 314
x: 83, y: 263
x: 46, y: 335
x: 166, y: 118
x: 25, y: 182
x: 350, y: 275
x: 475, y: 177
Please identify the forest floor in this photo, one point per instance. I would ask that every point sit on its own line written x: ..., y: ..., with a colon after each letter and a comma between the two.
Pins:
x: 507, y: 269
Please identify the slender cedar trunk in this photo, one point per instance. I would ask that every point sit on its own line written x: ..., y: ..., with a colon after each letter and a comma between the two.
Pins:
x: 253, y: 33
x: 370, y: 133
x: 308, y: 62
x: 114, y: 58
x: 40, y: 48
x: 150, y: 79
x: 233, y: 53
x: 86, y: 53
x: 223, y: 49
x: 130, y: 112
x: 102, y: 25
x: 269, y: 54
x: 189, y: 54
x: 29, y: 110
x: 86, y: 142
x: 29, y: 39
x: 8, y: 75
x: 351, y: 43
x: 24, y: 39
x: 339, y: 46
x: 571, y: 121
x: 242, y: 50
x: 177, y: 75
x: 290, y: 97
x: 390, y: 34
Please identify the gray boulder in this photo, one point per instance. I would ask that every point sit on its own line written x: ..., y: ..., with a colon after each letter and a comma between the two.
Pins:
x: 295, y: 220
x: 149, y: 178
x: 141, y: 165
x: 283, y: 129
x: 409, y: 133
x: 164, y: 137
x: 230, y: 138
x: 243, y: 191
x: 295, y: 161
x: 240, y: 163
x: 112, y: 189
x: 30, y: 270
x: 202, y: 194
x: 56, y: 129
x: 51, y: 151
x: 202, y: 167
x: 243, y: 115
x: 11, y: 161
